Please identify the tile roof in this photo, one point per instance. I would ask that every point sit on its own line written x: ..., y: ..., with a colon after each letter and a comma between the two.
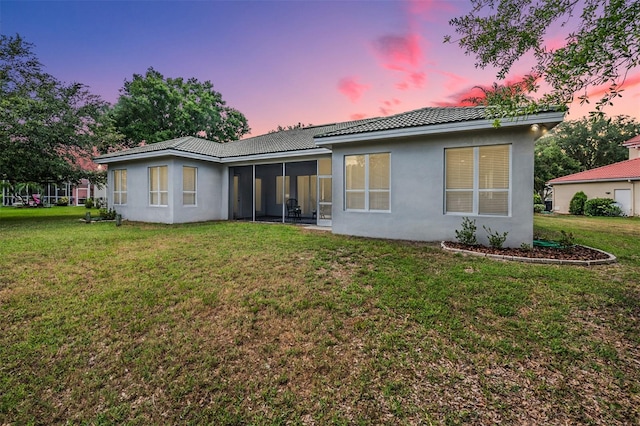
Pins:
x: 283, y: 141
x: 188, y: 144
x: 303, y: 139
x: 416, y: 118
x: 624, y: 170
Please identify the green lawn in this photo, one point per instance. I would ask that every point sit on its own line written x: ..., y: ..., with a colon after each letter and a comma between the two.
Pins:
x: 241, y: 323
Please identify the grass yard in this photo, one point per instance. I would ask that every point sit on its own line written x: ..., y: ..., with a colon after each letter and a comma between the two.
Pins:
x: 241, y: 323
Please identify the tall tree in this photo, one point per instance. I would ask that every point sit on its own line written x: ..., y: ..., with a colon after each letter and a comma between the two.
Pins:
x: 152, y: 108
x: 595, y: 142
x: 551, y: 161
x: 46, y: 127
x: 601, y: 51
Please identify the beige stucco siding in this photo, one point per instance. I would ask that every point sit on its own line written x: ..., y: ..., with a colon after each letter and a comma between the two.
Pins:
x: 563, y: 193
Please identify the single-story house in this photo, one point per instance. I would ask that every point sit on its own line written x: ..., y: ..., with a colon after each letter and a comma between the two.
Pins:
x: 619, y: 181
x: 410, y: 176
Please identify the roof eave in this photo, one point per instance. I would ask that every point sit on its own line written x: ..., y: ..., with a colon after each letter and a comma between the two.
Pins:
x: 549, y: 119
x: 156, y: 154
x: 276, y: 155
x: 617, y: 179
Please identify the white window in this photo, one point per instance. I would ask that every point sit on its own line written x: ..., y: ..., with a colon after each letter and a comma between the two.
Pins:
x: 120, y: 186
x: 478, y: 180
x: 367, y: 182
x: 189, y: 185
x: 159, y: 186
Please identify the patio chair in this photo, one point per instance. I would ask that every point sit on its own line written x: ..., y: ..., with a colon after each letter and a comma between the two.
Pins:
x: 293, y: 209
x: 35, y: 200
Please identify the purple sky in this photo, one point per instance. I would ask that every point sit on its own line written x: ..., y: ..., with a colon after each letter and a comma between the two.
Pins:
x: 278, y: 62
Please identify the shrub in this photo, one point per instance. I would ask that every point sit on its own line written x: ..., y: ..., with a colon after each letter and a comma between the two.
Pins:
x: 496, y: 239
x: 467, y: 235
x: 538, y: 208
x: 602, y: 207
x: 566, y: 240
x: 537, y: 199
x: 88, y: 203
x: 109, y: 214
x: 576, y: 206
x: 62, y: 201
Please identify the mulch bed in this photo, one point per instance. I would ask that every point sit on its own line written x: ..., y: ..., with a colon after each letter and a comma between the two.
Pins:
x: 574, y: 253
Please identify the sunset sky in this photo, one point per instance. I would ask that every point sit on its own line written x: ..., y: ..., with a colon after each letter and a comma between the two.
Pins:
x: 278, y: 62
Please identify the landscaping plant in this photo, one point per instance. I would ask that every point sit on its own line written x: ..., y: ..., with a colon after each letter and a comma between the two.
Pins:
x: 467, y: 235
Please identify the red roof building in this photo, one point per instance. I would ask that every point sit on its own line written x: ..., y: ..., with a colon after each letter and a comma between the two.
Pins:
x: 618, y: 181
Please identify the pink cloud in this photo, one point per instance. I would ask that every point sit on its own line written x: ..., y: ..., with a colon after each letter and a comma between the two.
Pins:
x: 402, y: 85
x: 398, y: 53
x: 454, y: 82
x: 427, y: 8
x: 350, y: 87
x: 418, y: 79
x: 385, y: 111
x: 628, y: 83
x: 358, y: 116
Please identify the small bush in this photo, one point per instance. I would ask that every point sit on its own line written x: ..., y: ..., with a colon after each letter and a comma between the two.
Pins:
x: 537, y: 199
x: 62, y: 201
x: 538, y: 208
x: 576, y: 206
x: 496, y: 239
x: 602, y: 207
x: 109, y: 214
x: 88, y: 203
x: 566, y: 240
x: 467, y: 235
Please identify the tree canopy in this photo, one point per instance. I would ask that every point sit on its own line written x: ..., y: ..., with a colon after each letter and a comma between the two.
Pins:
x: 152, y: 108
x: 47, y: 128
x: 598, y: 53
x: 598, y: 142
x: 298, y: 125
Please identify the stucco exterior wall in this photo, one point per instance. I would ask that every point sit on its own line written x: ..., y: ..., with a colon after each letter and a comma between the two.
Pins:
x: 212, y: 192
x: 562, y: 194
x: 417, y: 189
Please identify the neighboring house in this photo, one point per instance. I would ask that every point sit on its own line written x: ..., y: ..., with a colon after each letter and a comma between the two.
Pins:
x: 410, y: 176
x: 619, y: 181
x: 76, y: 194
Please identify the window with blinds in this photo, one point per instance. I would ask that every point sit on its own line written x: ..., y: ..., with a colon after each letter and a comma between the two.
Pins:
x: 367, y: 182
x: 478, y: 180
x: 159, y: 186
x: 189, y: 185
x: 120, y: 186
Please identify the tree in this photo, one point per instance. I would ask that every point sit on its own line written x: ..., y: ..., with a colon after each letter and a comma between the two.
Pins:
x: 46, y: 127
x: 152, y: 108
x: 595, y: 142
x: 550, y: 162
x: 604, y: 47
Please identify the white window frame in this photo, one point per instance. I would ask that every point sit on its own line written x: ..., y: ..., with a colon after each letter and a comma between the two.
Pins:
x: 476, y: 190
x: 160, y: 191
x: 195, y: 189
x: 119, y: 177
x: 366, y: 190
